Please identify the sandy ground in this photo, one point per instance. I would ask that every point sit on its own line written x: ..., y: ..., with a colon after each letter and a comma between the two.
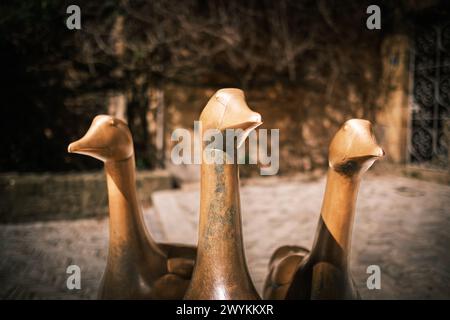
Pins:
x: 402, y: 225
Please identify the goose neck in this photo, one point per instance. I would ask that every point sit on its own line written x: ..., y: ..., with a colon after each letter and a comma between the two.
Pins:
x: 127, y: 227
x: 221, y: 261
x: 333, y: 240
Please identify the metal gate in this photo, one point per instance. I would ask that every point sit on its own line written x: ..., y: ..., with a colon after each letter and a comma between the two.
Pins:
x: 430, y: 107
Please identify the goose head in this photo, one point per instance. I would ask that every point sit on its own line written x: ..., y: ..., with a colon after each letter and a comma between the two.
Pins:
x: 108, y: 139
x: 354, y: 148
x: 227, y: 109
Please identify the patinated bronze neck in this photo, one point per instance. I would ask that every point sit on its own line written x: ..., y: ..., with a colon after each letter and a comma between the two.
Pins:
x: 221, y: 270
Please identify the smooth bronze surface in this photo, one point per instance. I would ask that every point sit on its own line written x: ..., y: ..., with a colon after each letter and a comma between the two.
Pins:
x: 282, y: 266
x: 137, y: 267
x: 221, y: 270
x: 324, y: 272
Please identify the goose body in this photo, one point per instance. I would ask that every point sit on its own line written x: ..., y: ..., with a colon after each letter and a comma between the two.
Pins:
x: 282, y: 266
x: 137, y: 267
x: 324, y: 272
x: 220, y: 270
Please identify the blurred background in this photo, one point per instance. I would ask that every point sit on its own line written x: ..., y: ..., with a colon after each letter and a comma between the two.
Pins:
x: 306, y: 66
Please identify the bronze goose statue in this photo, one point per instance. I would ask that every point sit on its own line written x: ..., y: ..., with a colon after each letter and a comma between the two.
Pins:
x: 324, y: 272
x: 137, y: 267
x: 221, y: 271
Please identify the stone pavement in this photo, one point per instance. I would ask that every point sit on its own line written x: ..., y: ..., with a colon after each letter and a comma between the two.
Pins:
x: 34, y: 257
x: 402, y: 225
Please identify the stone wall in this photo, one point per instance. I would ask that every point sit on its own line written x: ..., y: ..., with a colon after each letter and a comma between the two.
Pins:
x: 307, y: 119
x: 31, y: 197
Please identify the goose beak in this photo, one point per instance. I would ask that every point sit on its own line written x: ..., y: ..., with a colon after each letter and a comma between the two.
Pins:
x: 373, y: 150
x: 73, y: 147
x: 255, y: 117
x: 82, y: 147
x: 251, y: 123
x: 378, y: 152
